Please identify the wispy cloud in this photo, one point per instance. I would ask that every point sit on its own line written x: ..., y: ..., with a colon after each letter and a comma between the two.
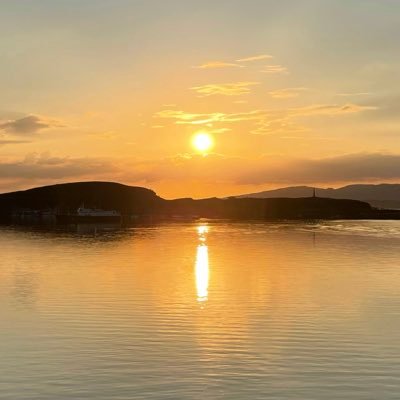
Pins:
x: 218, y: 64
x: 287, y: 93
x: 280, y: 122
x: 262, y: 117
x: 275, y: 69
x: 275, y: 122
x: 254, y: 58
x: 4, y: 142
x: 29, y: 124
x: 353, y: 94
x: 278, y: 126
x: 182, y: 117
x: 44, y: 166
x: 219, y: 130
x: 225, y: 89
x: 361, y: 167
x: 329, y: 109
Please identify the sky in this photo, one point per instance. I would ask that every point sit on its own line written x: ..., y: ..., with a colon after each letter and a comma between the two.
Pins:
x: 291, y: 92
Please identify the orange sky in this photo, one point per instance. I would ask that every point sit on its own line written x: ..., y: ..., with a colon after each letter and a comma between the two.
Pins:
x: 292, y: 92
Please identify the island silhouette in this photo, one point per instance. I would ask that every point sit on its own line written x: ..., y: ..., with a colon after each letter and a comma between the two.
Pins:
x: 130, y: 203
x: 382, y: 195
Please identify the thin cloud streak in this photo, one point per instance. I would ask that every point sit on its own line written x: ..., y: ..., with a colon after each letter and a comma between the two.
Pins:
x: 218, y: 64
x: 287, y: 93
x: 225, y: 89
x: 255, y: 58
x: 4, y: 142
x: 354, y: 94
x: 275, y: 69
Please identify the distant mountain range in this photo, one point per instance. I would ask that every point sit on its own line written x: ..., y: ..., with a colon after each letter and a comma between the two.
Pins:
x: 384, y: 195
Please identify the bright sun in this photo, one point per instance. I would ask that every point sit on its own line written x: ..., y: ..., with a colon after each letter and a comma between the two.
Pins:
x: 202, y: 142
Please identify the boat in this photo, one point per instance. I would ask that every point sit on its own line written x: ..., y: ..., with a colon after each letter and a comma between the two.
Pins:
x: 84, y: 215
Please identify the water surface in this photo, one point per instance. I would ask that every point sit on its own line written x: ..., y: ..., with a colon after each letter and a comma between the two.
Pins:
x: 203, y: 310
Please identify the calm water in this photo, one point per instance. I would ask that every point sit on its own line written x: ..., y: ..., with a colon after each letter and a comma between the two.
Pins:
x: 201, y: 311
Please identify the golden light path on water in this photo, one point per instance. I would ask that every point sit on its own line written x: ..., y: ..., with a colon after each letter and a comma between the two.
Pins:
x: 202, y: 270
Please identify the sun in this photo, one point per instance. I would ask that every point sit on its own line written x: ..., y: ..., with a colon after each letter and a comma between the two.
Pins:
x: 202, y: 142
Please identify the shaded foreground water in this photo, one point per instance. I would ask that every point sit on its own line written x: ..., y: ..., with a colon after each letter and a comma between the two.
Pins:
x: 205, y: 310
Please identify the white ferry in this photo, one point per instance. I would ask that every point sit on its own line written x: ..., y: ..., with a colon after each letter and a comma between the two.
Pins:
x: 84, y: 214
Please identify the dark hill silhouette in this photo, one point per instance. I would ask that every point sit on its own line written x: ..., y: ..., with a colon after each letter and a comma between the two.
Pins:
x: 384, y: 195
x: 140, y: 202
x: 276, y: 208
x: 69, y: 196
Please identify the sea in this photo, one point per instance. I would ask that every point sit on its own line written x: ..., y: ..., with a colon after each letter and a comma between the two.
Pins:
x: 201, y: 310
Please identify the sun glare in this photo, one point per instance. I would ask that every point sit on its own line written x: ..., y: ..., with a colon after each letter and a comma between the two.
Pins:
x: 202, y: 142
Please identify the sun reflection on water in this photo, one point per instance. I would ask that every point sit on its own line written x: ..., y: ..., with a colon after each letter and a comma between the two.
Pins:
x: 202, y: 231
x: 202, y: 272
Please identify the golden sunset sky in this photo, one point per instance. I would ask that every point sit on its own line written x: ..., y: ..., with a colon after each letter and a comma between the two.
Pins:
x: 291, y: 92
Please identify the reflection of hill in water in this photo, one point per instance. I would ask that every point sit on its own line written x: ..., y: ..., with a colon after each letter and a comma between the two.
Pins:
x: 98, y: 232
